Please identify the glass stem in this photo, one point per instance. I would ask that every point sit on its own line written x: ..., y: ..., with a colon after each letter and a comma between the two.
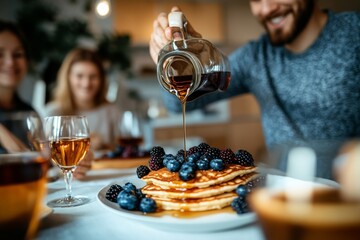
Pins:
x: 68, y: 176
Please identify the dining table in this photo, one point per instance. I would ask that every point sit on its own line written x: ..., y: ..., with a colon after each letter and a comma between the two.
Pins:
x: 95, y: 221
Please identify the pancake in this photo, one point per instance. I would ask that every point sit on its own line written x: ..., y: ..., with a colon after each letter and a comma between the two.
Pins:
x: 197, y: 204
x: 154, y: 190
x: 204, y: 178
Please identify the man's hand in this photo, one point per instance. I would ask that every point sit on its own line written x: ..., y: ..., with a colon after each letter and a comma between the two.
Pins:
x: 162, y: 34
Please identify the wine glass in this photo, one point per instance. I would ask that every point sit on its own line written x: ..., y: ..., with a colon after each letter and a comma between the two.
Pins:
x: 131, y: 134
x: 69, y: 141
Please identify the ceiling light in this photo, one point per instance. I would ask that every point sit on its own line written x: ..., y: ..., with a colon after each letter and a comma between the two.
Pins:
x: 103, y: 8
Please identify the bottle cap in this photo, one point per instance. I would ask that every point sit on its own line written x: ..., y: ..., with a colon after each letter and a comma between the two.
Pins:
x: 176, y: 19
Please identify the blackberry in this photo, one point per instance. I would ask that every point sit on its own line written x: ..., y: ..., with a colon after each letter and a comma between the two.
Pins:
x: 257, y: 182
x: 240, y: 205
x: 203, y: 147
x: 142, y: 171
x: 181, y: 152
x: 227, y: 155
x: 244, y: 158
x: 155, y: 163
x: 157, y: 151
x: 112, y: 193
x: 213, y: 152
x: 130, y: 151
x: 180, y: 155
x: 192, y: 150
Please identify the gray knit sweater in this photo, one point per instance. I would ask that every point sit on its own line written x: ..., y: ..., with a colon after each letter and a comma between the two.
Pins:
x: 314, y: 95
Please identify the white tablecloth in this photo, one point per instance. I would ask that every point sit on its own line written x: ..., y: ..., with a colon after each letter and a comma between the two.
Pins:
x: 93, y: 221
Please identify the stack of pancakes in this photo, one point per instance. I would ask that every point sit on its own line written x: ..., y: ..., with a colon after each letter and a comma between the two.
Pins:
x: 207, y: 191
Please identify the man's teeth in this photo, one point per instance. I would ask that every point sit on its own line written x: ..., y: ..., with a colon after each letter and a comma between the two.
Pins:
x: 277, y: 20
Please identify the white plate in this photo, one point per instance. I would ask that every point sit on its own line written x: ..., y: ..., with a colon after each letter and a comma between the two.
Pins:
x: 203, y: 223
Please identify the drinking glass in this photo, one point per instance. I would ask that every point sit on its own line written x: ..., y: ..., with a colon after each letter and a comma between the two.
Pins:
x: 21, y: 131
x: 305, y: 202
x: 23, y: 174
x: 69, y: 141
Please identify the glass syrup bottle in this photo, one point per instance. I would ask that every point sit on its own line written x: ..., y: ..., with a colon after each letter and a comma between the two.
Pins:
x: 191, y: 67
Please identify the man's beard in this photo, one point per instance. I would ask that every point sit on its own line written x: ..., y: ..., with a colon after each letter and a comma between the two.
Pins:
x: 301, y: 19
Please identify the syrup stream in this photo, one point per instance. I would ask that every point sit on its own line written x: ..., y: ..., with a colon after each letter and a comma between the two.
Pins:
x: 183, y: 103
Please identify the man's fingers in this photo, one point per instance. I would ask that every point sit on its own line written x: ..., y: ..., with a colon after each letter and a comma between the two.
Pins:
x: 161, y: 21
x: 175, y: 9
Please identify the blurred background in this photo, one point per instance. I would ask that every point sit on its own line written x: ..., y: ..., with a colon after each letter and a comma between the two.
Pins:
x: 120, y: 30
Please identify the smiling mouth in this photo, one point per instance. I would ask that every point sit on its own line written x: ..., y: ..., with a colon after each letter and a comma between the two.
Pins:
x: 277, y: 22
x: 9, y: 72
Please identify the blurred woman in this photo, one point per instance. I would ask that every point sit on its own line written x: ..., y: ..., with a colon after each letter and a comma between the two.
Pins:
x: 13, y: 68
x: 14, y: 62
x: 81, y: 90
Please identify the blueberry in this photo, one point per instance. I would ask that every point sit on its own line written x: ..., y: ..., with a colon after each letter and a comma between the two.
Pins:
x: 240, y: 205
x: 173, y: 165
x: 242, y: 190
x: 147, y: 205
x: 180, y: 158
x: 127, y: 200
x: 117, y: 152
x: 111, y: 154
x: 187, y: 172
x: 206, y: 157
x: 203, y: 164
x: 169, y: 155
x: 217, y: 164
x: 192, y: 164
x: 129, y: 187
x: 193, y: 157
x: 166, y: 158
x: 139, y: 194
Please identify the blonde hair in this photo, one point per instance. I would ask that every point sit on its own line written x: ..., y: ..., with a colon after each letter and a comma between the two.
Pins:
x: 63, y: 94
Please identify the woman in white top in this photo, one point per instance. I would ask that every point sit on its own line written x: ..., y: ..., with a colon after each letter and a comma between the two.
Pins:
x: 81, y: 89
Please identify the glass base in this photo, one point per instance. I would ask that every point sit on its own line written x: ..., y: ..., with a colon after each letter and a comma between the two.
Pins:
x: 69, y: 201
